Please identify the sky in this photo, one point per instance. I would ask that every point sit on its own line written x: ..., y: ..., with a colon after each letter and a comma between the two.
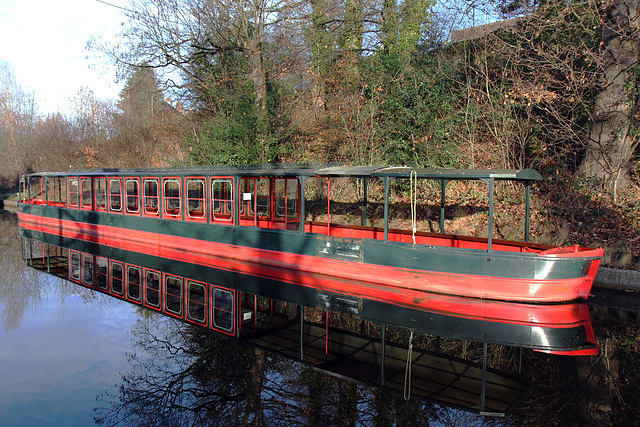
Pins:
x: 45, y: 43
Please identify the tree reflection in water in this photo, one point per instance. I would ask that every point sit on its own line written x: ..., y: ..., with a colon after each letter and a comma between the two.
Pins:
x: 184, y: 375
x: 589, y: 391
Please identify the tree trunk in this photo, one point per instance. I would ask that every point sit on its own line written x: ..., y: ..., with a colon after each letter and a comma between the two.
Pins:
x: 612, y: 140
x: 258, y: 75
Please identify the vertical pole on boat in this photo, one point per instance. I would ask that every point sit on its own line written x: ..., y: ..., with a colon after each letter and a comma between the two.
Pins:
x: 301, y: 352
x: 237, y: 201
x: 443, y: 185
x: 490, y: 237
x: 519, y: 360
x: 255, y: 313
x: 365, y: 184
x: 382, y: 354
x: 303, y: 211
x: 328, y: 206
x: 386, y: 208
x: 48, y: 256
x: 484, y: 376
x: 527, y: 209
x: 326, y: 334
x: 238, y: 305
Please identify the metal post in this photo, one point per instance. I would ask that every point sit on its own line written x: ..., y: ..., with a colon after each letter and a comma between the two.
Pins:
x: 365, y: 182
x: 443, y: 184
x: 237, y: 201
x: 490, y: 237
x: 328, y: 206
x: 519, y: 360
x: 301, y: 352
x: 526, y: 214
x: 386, y: 208
x: 303, y: 211
x: 484, y: 376
x: 238, y: 303
x: 382, y: 354
x: 326, y: 334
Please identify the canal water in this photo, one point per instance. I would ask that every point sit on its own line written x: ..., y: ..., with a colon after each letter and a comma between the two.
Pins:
x: 72, y: 356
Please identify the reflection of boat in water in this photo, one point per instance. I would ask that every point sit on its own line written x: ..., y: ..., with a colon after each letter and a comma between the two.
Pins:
x: 271, y: 314
x: 253, y: 221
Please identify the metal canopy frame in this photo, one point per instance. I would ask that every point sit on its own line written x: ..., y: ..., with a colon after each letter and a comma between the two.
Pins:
x: 386, y: 173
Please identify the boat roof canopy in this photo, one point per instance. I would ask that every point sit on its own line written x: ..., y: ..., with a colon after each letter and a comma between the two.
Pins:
x: 324, y: 170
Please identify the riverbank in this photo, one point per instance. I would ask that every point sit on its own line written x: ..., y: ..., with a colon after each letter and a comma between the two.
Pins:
x: 9, y: 205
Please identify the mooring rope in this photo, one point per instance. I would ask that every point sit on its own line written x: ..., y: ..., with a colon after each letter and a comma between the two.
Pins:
x: 413, y: 183
x: 407, y: 369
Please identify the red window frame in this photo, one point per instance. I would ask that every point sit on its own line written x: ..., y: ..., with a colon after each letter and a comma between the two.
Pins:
x: 73, y: 195
x: 226, y: 215
x: 249, y: 207
x: 92, y: 259
x: 130, y: 285
x: 281, y: 210
x: 86, y: 197
x: 169, y: 211
x: 150, y: 203
x: 111, y: 278
x: 199, y: 213
x: 132, y: 201
x: 231, y: 312
x: 146, y: 289
x: 167, y: 296
x: 75, y: 277
x: 100, y: 203
x: 190, y: 302
x: 114, y: 196
x: 99, y: 274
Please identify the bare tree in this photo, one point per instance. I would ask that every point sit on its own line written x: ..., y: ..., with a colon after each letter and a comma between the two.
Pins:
x: 17, y: 117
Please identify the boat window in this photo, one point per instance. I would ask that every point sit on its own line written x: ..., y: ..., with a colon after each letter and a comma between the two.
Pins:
x: 87, y: 269
x: 196, y: 198
x: 151, y: 199
x: 72, y: 185
x: 133, y: 283
x: 255, y: 197
x: 152, y: 288
x: 57, y: 191
x: 171, y: 197
x: 286, y: 196
x: 173, y: 295
x: 85, y: 190
x: 132, y: 191
x: 35, y: 191
x: 100, y: 190
x: 115, y: 195
x: 117, y: 278
x: 102, y: 274
x: 221, y: 200
x: 74, y: 266
x: 222, y: 309
x: 196, y: 302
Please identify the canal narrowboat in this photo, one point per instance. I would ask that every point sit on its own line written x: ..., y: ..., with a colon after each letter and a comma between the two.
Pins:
x: 252, y: 220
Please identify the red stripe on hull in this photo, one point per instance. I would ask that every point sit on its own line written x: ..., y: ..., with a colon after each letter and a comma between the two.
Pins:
x: 386, y: 283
